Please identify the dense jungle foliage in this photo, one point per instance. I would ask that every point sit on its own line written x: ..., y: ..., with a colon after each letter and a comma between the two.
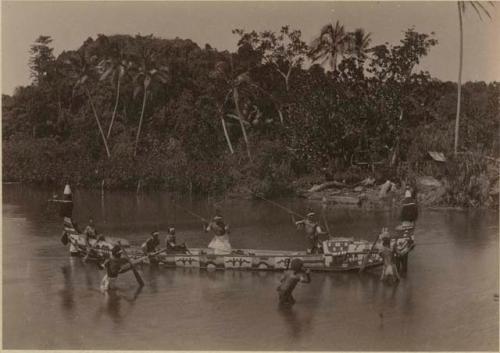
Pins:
x: 165, y: 113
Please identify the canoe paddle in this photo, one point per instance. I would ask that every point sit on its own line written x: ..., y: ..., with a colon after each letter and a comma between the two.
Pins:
x: 132, y: 266
x: 138, y: 260
x: 367, y: 256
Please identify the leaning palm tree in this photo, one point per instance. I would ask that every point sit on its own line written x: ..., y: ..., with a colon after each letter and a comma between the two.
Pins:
x: 82, y: 69
x: 478, y: 8
x: 234, y: 83
x: 331, y: 45
x: 147, y: 72
x: 114, y: 67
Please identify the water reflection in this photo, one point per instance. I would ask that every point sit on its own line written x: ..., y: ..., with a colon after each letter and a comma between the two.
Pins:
x: 292, y: 321
x: 112, y: 304
x: 67, y: 292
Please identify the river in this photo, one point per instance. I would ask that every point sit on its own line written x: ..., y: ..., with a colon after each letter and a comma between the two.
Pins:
x: 51, y: 301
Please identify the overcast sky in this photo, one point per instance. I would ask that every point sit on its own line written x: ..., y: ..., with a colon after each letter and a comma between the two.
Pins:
x: 70, y: 23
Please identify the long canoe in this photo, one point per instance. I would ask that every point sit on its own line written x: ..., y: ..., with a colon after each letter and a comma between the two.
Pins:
x: 338, y: 254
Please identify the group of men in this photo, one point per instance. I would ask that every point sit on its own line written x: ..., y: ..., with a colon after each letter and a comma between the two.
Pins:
x: 395, y: 257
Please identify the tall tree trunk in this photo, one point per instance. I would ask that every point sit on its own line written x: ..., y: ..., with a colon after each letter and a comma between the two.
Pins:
x: 226, y: 134
x: 280, y: 113
x: 140, y: 122
x: 459, y: 83
x: 114, y: 110
x: 240, y: 115
x: 98, y: 123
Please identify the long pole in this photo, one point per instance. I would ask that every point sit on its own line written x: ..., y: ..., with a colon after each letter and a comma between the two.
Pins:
x: 191, y: 213
x: 459, y: 83
x: 280, y: 206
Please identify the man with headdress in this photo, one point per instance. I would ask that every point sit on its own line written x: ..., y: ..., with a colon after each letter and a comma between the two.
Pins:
x: 113, y: 266
x: 312, y: 230
x: 409, y: 211
x: 404, y: 243
x: 220, y: 242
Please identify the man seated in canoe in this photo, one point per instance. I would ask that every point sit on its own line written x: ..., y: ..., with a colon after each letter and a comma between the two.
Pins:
x: 150, y: 245
x: 220, y: 242
x: 113, y: 266
x: 171, y: 243
x: 313, y: 231
x: 90, y: 232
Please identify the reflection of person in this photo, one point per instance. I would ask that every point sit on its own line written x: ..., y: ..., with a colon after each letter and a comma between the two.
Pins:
x: 289, y: 281
x: 312, y: 230
x: 220, y: 242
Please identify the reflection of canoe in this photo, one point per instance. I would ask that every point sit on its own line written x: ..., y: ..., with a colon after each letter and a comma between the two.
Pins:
x: 339, y: 254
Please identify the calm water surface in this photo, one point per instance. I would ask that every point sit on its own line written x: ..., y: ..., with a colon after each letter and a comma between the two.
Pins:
x: 52, y: 301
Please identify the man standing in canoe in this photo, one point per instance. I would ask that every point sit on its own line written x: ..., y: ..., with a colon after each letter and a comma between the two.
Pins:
x: 409, y: 215
x: 220, y: 242
x: 113, y: 267
x: 409, y: 211
x: 312, y: 230
x: 290, y: 280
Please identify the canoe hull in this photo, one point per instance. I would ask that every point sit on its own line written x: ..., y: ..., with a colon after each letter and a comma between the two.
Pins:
x: 339, y: 255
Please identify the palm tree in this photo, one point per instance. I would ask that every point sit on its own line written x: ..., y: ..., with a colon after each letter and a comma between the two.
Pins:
x: 478, y: 8
x: 147, y: 72
x: 358, y: 43
x: 82, y: 68
x: 331, y: 44
x: 114, y: 67
x: 233, y: 84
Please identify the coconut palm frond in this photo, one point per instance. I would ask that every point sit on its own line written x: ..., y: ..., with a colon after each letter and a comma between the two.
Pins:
x: 480, y: 8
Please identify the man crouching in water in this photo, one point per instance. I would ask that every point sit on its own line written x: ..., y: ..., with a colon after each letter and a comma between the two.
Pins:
x: 113, y: 267
x: 289, y: 282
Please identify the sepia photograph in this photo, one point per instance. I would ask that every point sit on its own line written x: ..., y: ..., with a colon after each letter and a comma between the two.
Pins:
x: 250, y: 175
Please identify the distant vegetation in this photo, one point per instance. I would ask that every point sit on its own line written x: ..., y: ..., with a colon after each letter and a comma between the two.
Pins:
x: 165, y: 113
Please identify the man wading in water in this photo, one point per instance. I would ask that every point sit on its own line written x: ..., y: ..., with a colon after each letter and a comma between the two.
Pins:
x: 220, y: 242
x: 389, y: 270
x: 313, y: 231
x: 113, y: 267
x: 289, y: 282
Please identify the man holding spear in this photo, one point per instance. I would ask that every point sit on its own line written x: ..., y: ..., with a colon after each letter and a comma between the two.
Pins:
x: 313, y: 230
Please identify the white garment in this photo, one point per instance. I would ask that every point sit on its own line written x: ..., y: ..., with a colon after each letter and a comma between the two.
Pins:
x: 108, y: 283
x: 220, y: 244
x: 72, y: 248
